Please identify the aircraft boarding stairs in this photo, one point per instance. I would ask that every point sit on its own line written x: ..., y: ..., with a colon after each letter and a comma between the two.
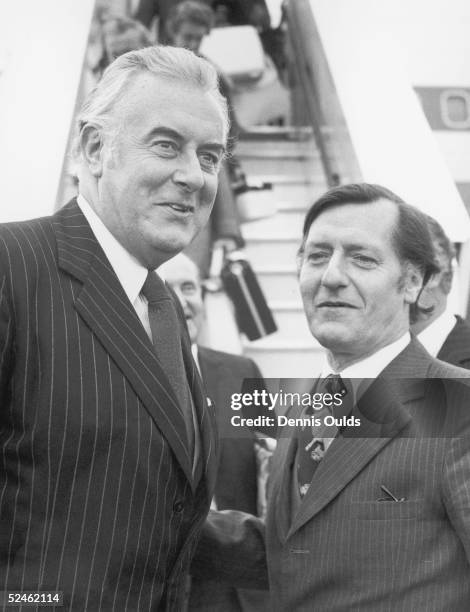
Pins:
x: 288, y: 159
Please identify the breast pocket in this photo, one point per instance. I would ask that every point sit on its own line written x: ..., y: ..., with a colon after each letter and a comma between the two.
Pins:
x: 391, y: 510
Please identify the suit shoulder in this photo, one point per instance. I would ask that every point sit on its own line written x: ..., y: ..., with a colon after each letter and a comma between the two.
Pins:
x: 25, y: 236
x: 27, y: 248
x: 442, y: 369
x: 456, y: 348
x: 231, y: 360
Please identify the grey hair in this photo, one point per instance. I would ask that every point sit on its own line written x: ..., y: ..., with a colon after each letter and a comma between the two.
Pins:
x: 166, y: 62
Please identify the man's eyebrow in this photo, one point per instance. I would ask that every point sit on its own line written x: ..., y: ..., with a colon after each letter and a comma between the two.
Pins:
x: 165, y: 131
x: 318, y: 244
x: 361, y: 247
x: 175, y: 135
x: 216, y: 147
x: 322, y: 244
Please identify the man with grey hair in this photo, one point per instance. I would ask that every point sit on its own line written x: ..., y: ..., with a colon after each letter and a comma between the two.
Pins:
x: 108, y: 441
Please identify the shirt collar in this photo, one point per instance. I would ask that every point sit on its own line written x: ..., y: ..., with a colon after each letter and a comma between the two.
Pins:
x: 371, y: 366
x: 130, y: 272
x: 435, y: 334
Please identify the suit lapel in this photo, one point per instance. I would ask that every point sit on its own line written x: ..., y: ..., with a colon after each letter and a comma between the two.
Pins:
x: 118, y: 327
x: 383, y: 414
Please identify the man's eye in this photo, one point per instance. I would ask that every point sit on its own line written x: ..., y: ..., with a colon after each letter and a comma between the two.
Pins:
x: 365, y: 261
x: 318, y: 257
x: 165, y: 146
x: 209, y: 161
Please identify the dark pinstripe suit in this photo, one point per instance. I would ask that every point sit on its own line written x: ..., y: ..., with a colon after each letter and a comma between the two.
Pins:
x: 343, y: 550
x: 456, y: 348
x: 96, y: 493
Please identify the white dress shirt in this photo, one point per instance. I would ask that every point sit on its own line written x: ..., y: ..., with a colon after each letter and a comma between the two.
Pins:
x: 130, y: 272
x: 434, y: 336
x: 363, y: 372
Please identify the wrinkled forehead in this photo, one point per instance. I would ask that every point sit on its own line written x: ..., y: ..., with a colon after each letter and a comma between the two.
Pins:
x: 147, y: 95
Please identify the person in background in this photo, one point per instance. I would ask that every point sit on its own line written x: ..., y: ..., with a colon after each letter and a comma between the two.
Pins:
x: 239, y: 484
x: 149, y: 10
x: 272, y: 39
x: 120, y: 35
x: 443, y: 335
x: 223, y: 13
x: 187, y: 24
x: 109, y: 445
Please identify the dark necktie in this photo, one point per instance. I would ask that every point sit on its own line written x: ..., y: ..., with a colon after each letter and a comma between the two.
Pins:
x: 312, y: 440
x: 166, y: 339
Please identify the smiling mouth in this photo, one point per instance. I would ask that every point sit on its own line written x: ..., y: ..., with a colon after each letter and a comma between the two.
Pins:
x: 178, y: 207
x: 328, y: 304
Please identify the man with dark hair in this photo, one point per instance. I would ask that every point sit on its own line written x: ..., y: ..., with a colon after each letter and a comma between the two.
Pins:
x: 370, y: 512
x: 444, y: 335
x: 188, y: 23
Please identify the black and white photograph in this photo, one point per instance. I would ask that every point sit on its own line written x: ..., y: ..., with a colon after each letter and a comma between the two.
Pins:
x: 235, y: 305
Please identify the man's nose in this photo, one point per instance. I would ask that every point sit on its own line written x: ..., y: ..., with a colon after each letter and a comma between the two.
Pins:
x: 189, y: 173
x: 335, y: 274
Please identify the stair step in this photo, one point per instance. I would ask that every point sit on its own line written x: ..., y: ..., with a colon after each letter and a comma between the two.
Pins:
x: 293, y: 206
x: 274, y: 167
x: 279, y: 342
x: 275, y: 251
x: 286, y: 179
x: 301, y: 195
x: 276, y: 150
x: 279, y: 285
x: 290, y: 224
x: 263, y: 133
x: 292, y: 325
x: 287, y: 363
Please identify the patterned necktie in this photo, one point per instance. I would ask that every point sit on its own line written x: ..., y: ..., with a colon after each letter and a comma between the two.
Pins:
x: 313, y: 441
x: 166, y: 339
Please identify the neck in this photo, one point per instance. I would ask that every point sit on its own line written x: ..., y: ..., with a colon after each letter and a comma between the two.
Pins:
x: 340, y: 361
x: 89, y: 191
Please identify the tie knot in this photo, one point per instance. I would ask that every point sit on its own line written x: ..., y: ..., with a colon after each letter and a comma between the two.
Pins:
x: 334, y: 384
x: 154, y: 288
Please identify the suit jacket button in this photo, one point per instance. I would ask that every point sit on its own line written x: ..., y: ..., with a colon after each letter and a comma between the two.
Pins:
x: 178, y: 506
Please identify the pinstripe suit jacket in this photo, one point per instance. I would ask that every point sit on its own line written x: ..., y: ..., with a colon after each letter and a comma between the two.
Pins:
x: 456, y: 348
x: 97, y: 497
x: 342, y: 550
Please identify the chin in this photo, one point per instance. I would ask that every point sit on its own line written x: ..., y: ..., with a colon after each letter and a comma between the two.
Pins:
x: 331, y: 335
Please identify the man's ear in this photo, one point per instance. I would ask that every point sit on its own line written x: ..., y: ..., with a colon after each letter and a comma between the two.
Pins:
x: 412, y: 283
x: 446, y: 281
x: 91, y: 146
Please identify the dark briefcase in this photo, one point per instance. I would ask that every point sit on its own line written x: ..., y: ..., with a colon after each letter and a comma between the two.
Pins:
x: 254, y: 318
